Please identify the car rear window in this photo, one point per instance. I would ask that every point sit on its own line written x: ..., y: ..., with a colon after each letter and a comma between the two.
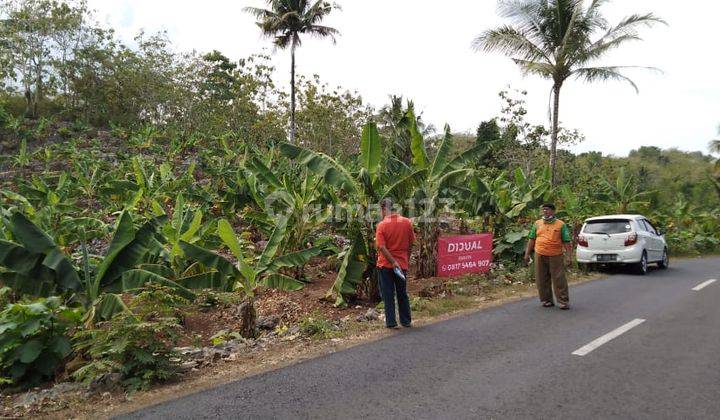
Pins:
x: 607, y: 226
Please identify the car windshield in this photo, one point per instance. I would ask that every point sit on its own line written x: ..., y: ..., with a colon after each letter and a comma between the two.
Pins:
x: 607, y: 226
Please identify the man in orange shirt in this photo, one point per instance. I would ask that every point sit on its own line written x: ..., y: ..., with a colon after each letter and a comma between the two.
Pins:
x: 394, y: 237
x: 548, y: 237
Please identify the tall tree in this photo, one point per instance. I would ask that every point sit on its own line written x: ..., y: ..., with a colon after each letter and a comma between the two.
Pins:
x: 715, y: 148
x: 715, y: 144
x: 38, y: 39
x: 285, y: 21
x: 559, y: 39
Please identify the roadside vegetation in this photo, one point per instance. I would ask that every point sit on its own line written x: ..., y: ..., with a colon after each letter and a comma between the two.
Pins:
x: 153, y: 206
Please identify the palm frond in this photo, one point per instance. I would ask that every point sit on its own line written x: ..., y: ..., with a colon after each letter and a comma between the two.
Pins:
x: 533, y: 67
x: 258, y: 12
x: 599, y: 49
x: 320, y: 31
x: 526, y: 15
x: 511, y: 42
x: 630, y: 24
x: 603, y: 74
x: 285, y: 20
x: 714, y: 146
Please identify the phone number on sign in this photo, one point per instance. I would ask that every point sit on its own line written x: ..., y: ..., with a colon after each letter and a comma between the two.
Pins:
x: 466, y: 265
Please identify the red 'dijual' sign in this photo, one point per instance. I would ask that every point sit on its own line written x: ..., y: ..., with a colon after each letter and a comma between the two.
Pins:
x: 464, y: 254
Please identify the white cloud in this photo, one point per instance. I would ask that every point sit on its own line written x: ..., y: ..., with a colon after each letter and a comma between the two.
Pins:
x: 421, y: 49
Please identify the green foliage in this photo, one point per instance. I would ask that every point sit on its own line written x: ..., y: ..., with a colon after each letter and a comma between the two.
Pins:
x: 285, y: 22
x: 224, y: 336
x: 317, y: 327
x: 329, y: 121
x: 568, y: 43
x: 6, y: 296
x: 139, y: 344
x: 35, y: 341
x: 370, y: 149
x: 33, y: 264
x: 624, y: 193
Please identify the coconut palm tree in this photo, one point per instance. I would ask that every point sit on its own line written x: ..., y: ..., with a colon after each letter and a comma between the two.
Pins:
x: 715, y: 144
x: 285, y: 21
x: 560, y: 39
x: 715, y: 148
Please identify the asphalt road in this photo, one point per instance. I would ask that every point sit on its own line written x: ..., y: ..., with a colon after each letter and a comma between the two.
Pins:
x: 512, y: 361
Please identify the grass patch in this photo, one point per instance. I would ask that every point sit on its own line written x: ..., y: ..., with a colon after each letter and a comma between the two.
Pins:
x: 318, y: 328
x: 437, y: 307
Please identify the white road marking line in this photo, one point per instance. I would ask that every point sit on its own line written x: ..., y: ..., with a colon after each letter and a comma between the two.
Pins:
x: 582, y: 351
x: 704, y: 284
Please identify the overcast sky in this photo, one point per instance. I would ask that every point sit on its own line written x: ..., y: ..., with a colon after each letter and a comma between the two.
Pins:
x: 421, y: 49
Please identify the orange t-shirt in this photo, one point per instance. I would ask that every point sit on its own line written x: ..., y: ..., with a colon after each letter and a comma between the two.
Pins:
x: 396, y: 233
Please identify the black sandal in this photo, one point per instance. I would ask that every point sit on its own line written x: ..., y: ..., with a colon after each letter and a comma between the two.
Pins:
x: 548, y: 304
x: 565, y: 307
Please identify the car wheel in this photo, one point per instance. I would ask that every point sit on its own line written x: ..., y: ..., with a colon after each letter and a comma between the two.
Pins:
x: 665, y: 262
x: 642, y: 266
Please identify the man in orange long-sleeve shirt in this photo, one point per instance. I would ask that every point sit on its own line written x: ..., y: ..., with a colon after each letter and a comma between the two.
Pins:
x: 394, y: 237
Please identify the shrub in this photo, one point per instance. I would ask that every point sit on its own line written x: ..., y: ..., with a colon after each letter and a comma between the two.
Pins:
x: 316, y: 326
x: 139, y: 344
x: 223, y: 336
x: 142, y: 351
x: 35, y: 341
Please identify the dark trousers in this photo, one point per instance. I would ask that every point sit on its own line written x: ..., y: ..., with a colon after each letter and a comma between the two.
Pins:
x: 390, y: 285
x: 551, y: 271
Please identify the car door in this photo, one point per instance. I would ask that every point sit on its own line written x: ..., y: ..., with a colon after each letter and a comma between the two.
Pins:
x: 652, y: 241
x: 645, y: 238
x: 659, y: 241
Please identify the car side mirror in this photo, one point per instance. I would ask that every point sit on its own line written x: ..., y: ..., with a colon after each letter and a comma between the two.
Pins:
x: 660, y: 233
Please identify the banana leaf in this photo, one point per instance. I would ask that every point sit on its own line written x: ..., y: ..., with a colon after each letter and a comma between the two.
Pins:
x: 370, y: 149
x: 323, y: 165
x: 404, y: 187
x: 440, y: 161
x: 282, y: 282
x: 30, y: 236
x: 274, y: 242
x: 209, y: 259
x: 417, y: 143
x: 127, y: 249
x: 158, y: 269
x: 35, y: 265
x: 467, y: 156
x: 263, y: 173
x: 132, y: 280
x: 227, y: 235
x: 109, y: 305
x: 350, y: 273
x: 294, y: 259
x: 17, y: 258
x: 208, y: 280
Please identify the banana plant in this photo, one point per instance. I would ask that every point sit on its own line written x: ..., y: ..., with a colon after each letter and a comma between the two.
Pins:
x: 184, y: 225
x: 624, y: 193
x: 505, y: 201
x: 89, y: 177
x: 303, y: 203
x: 149, y: 184
x: 51, y: 200
x: 22, y: 159
x: 246, y: 275
x: 32, y: 263
x: 357, y: 273
x: 437, y: 187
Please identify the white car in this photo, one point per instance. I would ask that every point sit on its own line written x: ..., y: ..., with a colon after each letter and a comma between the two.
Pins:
x: 621, y: 239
